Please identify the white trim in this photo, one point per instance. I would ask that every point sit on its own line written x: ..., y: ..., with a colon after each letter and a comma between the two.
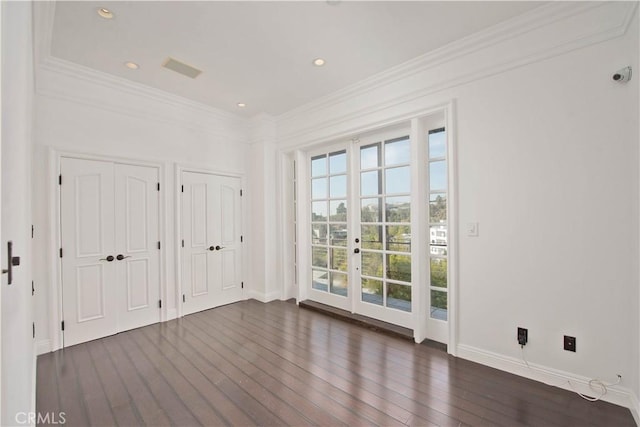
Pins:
x: 634, y: 406
x: 453, y: 259
x: 180, y: 168
x: 553, y: 377
x: 54, y: 158
x: 43, y: 346
x: 263, y: 297
x: 493, y: 53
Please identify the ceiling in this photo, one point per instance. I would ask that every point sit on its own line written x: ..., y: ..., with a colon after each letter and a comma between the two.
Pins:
x: 261, y: 53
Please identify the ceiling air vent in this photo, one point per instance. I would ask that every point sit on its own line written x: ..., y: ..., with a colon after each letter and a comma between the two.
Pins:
x: 181, y: 68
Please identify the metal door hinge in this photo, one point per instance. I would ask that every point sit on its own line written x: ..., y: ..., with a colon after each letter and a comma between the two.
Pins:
x: 182, y: 189
x: 158, y: 245
x: 59, y: 179
x: 32, y: 230
x: 184, y: 299
x: 242, y: 285
x: 60, y: 252
x: 34, y: 329
x: 33, y: 289
x: 158, y: 186
x: 241, y: 239
x: 63, y: 325
x: 183, y: 243
x: 240, y: 193
x: 159, y: 303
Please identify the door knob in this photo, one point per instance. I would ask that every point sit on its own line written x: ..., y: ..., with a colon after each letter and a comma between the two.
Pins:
x: 109, y: 258
x: 120, y: 257
x: 356, y: 251
x: 219, y: 247
x: 357, y: 240
x: 212, y: 248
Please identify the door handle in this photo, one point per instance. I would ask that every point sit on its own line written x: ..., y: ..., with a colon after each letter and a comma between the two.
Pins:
x: 212, y: 248
x: 219, y: 247
x: 12, y: 261
x: 109, y: 258
x: 120, y: 257
x: 356, y: 251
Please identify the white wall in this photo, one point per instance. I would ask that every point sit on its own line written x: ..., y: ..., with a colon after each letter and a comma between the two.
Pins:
x: 548, y: 165
x: 18, y: 356
x: 84, y: 112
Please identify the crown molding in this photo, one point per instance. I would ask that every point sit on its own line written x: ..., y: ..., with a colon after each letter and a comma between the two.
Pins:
x: 581, y: 24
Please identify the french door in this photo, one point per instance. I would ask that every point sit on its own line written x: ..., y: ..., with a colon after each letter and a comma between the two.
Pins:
x: 212, y: 241
x: 368, y: 210
x: 110, y: 254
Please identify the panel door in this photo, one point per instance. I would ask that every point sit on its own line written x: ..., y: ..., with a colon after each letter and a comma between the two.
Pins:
x: 88, y: 241
x: 137, y: 235
x: 211, y: 254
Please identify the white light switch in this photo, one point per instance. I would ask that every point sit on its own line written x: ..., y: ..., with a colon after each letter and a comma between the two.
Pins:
x: 472, y: 229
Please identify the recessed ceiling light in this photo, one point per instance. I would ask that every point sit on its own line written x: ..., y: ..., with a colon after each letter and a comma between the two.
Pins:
x: 131, y: 65
x: 318, y: 62
x: 241, y: 104
x: 105, y: 13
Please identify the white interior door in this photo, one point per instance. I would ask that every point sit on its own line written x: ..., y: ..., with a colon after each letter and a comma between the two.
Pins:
x: 138, y: 254
x: 111, y: 258
x: 212, y: 237
x: 88, y: 242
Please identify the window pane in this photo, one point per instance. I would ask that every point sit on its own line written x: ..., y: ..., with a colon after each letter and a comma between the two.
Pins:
x: 370, y: 183
x: 370, y: 211
x: 397, y: 152
x: 338, y: 259
x: 438, y: 235
x: 399, y: 238
x: 338, y: 162
x: 339, y: 283
x: 338, y: 235
x: 399, y: 267
x: 438, y: 175
x: 320, y: 280
x: 319, y: 188
x: 319, y: 211
x: 371, y: 237
x: 438, y: 207
x: 439, y: 272
x: 319, y: 165
x: 438, y: 305
x: 438, y: 250
x: 338, y: 210
x: 371, y: 264
x: 372, y: 291
x: 319, y: 234
x: 338, y: 186
x: 399, y: 296
x: 398, y: 180
x: 398, y: 209
x: 437, y: 144
x: 369, y: 157
x: 319, y: 254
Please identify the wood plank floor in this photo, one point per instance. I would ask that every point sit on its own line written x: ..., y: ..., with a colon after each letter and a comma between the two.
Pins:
x: 274, y: 364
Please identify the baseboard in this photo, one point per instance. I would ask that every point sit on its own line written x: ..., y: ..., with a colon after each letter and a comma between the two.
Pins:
x: 172, y: 313
x: 264, y: 297
x: 635, y: 407
x: 553, y: 377
x: 43, y: 346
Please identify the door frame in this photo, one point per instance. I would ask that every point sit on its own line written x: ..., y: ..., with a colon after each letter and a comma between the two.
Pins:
x: 178, y: 170
x: 55, y: 238
x: 301, y: 152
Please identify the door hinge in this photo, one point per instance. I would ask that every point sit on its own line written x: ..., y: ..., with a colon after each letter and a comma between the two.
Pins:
x: 240, y: 193
x: 183, y: 243
x: 60, y: 179
x: 158, y: 186
x: 34, y: 329
x: 63, y: 325
x: 60, y: 252
x: 159, y: 303
x: 158, y: 245
x: 32, y: 230
x: 242, y: 285
x: 241, y: 239
x: 184, y: 299
x: 33, y: 289
x: 182, y: 189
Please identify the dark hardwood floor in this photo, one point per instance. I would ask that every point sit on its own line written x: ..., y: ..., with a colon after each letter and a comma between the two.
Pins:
x: 275, y: 364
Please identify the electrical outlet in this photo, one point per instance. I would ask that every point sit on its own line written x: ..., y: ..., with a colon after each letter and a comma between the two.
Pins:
x: 523, y: 336
x: 569, y: 343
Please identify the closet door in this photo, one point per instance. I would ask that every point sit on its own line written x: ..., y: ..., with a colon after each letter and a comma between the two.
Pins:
x: 211, y: 233
x: 88, y: 256
x: 137, y: 253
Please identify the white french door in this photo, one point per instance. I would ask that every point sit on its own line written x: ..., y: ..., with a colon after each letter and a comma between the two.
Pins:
x: 378, y: 226
x: 110, y: 254
x: 212, y: 241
